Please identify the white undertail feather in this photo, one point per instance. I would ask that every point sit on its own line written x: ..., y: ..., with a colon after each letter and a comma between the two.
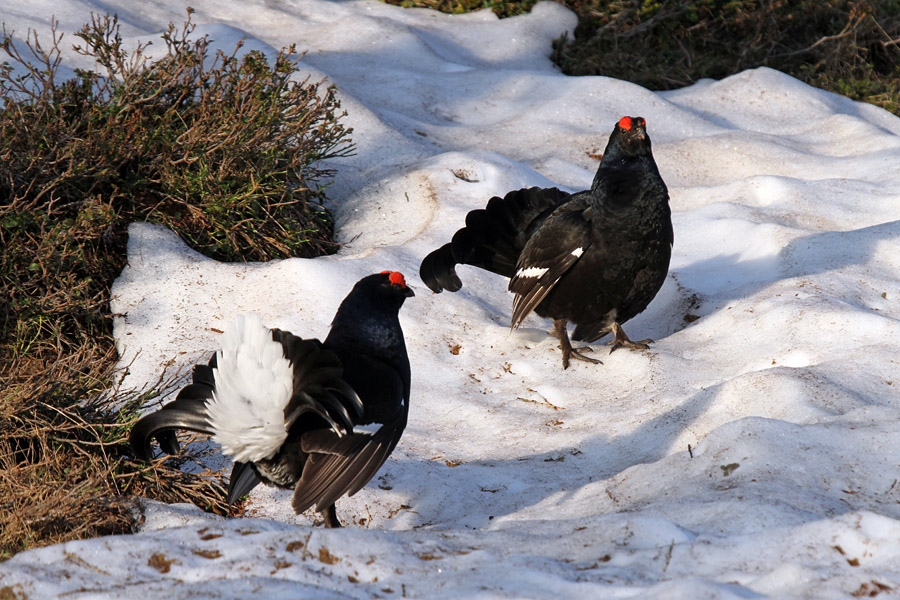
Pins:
x: 254, y: 383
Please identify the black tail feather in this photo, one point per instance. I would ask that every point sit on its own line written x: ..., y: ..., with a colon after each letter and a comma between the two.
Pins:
x: 162, y: 424
x: 438, y: 270
x: 493, y: 237
x: 187, y: 411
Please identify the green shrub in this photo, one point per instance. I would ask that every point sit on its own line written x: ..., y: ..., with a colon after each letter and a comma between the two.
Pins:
x: 224, y: 153
x: 672, y: 43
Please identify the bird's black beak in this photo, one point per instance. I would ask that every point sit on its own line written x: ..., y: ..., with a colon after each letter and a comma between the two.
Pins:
x: 409, y: 293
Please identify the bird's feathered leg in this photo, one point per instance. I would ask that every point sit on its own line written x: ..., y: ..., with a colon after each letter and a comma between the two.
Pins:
x: 621, y: 340
x: 243, y: 480
x: 331, y: 518
x: 559, y: 328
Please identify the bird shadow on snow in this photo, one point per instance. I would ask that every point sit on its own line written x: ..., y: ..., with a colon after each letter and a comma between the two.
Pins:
x: 727, y: 277
x: 472, y: 494
x: 475, y: 493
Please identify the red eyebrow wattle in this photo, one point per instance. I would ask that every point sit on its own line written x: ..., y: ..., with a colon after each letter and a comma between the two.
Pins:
x: 396, y: 277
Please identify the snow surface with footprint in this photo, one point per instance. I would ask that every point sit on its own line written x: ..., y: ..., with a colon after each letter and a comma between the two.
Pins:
x: 775, y: 360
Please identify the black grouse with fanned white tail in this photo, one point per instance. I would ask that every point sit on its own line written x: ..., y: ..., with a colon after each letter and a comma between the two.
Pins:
x: 285, y: 408
x: 595, y: 258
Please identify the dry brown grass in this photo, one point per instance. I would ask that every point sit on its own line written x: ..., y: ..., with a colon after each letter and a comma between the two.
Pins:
x: 66, y: 470
x: 224, y: 154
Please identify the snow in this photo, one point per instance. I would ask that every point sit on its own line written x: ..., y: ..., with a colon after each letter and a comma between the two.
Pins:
x: 750, y: 453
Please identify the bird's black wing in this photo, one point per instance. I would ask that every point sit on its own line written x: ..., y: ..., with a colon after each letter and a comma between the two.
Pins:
x: 319, y: 386
x: 343, y: 465
x: 550, y: 252
x: 492, y: 238
x: 187, y: 411
x: 339, y: 466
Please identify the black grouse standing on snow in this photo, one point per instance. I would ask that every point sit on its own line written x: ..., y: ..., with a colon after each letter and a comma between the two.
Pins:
x: 595, y: 258
x: 284, y: 408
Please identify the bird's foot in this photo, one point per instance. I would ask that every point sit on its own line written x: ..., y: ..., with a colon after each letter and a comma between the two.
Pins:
x: 621, y: 341
x: 559, y: 328
x: 641, y: 345
x: 576, y: 353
